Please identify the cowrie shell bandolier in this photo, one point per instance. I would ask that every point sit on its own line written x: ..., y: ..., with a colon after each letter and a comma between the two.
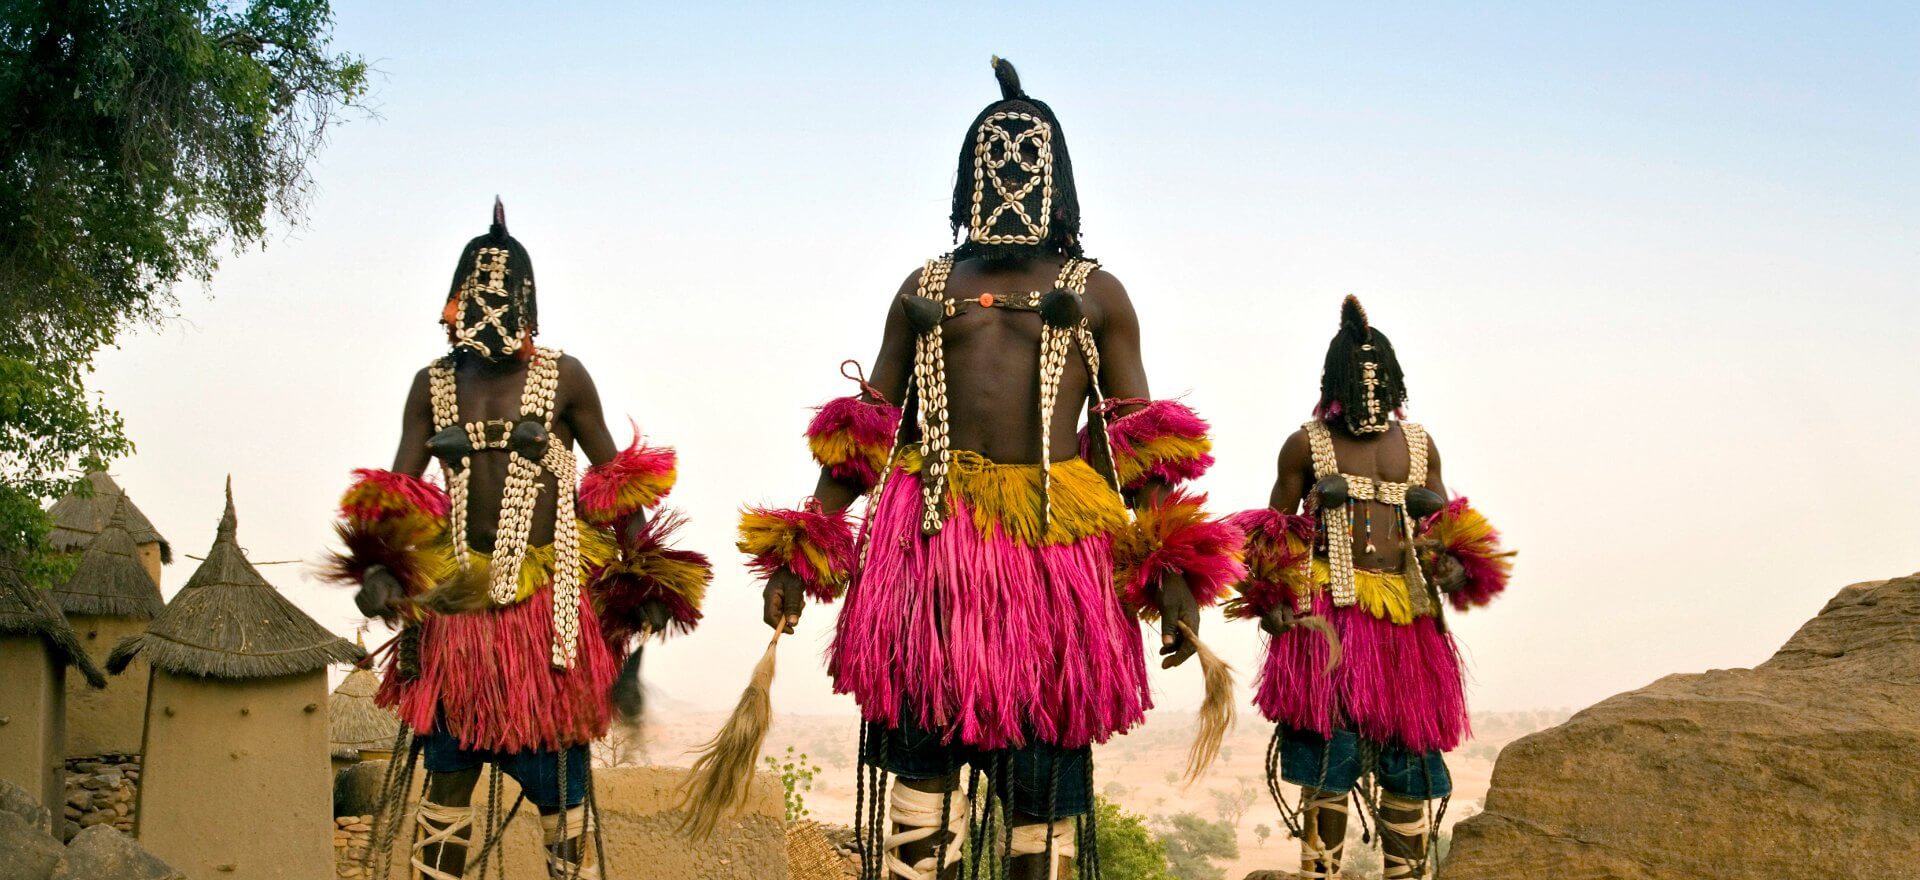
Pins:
x: 930, y: 378
x: 1338, y: 522
x: 520, y: 496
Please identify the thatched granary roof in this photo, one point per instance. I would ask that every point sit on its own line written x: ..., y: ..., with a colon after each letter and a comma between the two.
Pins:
x: 228, y: 622
x: 110, y: 580
x: 354, y: 722
x: 76, y: 520
x: 25, y: 610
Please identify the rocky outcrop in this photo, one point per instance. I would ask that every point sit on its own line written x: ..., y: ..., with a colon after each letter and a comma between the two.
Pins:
x: 29, y: 851
x: 26, y: 852
x: 20, y: 803
x: 1807, y: 765
x: 100, y: 853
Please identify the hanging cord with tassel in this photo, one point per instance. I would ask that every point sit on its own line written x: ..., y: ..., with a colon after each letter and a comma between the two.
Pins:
x: 723, y: 773
x: 1216, y: 708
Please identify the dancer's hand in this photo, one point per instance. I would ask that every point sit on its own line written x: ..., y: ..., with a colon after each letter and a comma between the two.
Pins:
x: 655, y: 615
x: 1177, y: 606
x: 785, y: 598
x: 380, y: 594
x: 629, y: 693
x: 1280, y: 619
x: 1446, y: 571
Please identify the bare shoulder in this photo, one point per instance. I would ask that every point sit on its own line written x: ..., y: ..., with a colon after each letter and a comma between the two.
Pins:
x: 1104, y: 288
x: 1297, y: 448
x: 1433, y: 448
x: 1107, y: 302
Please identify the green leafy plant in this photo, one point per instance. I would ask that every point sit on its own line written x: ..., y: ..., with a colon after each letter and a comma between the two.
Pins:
x: 796, y: 779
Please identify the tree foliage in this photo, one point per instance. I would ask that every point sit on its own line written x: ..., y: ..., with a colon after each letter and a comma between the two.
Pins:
x: 1193, y: 843
x: 1128, y: 850
x: 138, y: 140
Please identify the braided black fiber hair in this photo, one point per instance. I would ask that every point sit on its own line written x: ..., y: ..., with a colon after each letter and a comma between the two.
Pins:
x: 1063, y: 232
x: 524, y: 306
x: 1343, y: 389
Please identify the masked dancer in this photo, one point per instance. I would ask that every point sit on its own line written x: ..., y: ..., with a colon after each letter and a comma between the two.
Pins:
x: 521, y: 587
x: 1349, y: 570
x: 989, y: 628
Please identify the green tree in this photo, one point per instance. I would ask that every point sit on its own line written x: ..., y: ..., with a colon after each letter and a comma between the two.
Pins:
x: 1128, y: 850
x: 1261, y: 832
x: 1193, y: 843
x: 140, y: 139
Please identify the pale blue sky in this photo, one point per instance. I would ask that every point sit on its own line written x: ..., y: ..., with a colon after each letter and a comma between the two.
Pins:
x: 1653, y: 273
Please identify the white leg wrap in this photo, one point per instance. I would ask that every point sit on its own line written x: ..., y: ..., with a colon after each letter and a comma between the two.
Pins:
x: 917, y: 813
x: 440, y: 825
x: 1318, y: 860
x: 1031, y: 840
x: 1399, y: 867
x: 577, y: 825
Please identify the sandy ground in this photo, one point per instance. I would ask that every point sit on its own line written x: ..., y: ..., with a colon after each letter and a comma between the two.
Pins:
x: 1140, y: 771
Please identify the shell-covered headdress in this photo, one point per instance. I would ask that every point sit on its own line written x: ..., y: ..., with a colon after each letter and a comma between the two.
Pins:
x: 491, y: 310
x: 1013, y: 195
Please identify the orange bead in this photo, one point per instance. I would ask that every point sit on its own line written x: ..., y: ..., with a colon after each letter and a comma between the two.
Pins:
x: 986, y: 300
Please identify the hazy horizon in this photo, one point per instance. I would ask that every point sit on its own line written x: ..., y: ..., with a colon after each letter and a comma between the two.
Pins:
x: 1650, y: 273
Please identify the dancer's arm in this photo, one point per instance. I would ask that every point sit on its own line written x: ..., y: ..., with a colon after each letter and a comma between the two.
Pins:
x: 1123, y: 375
x: 784, y: 597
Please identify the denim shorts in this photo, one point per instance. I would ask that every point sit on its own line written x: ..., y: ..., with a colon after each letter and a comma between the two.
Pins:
x: 538, y: 773
x: 1335, y: 764
x: 1039, y: 779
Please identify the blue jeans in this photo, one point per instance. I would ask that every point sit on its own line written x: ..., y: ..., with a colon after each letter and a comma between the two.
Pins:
x: 1335, y: 764
x: 537, y: 772
x: 1025, y: 776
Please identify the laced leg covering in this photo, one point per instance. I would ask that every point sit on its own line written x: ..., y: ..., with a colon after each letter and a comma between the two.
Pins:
x: 920, y: 815
x: 1320, y: 860
x: 1041, y: 838
x: 435, y: 824
x: 570, y: 826
x: 1404, y: 826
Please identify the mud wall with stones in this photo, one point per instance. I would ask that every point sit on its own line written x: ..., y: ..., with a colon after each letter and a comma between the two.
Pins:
x: 638, y: 823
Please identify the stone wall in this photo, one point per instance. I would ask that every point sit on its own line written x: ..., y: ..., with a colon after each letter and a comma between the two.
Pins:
x: 101, y: 790
x: 352, y: 837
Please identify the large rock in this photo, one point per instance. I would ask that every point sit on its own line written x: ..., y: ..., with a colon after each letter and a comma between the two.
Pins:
x: 357, y: 788
x: 17, y: 801
x: 26, y: 852
x: 1807, y: 765
x: 101, y: 853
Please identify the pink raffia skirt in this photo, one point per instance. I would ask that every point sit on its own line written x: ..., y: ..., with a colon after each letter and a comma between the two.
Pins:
x: 1397, y: 683
x: 987, y: 631
x: 487, y: 678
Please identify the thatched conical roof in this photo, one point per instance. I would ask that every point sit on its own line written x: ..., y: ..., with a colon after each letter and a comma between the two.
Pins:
x: 76, y: 519
x: 228, y: 622
x: 110, y: 579
x: 354, y: 722
x: 25, y: 610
